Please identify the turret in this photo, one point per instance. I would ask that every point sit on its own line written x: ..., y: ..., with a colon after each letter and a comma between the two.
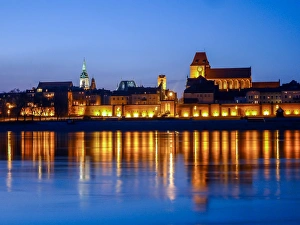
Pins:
x: 84, y: 77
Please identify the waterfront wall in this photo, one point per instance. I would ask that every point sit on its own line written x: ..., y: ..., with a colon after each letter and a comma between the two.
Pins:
x: 186, y: 110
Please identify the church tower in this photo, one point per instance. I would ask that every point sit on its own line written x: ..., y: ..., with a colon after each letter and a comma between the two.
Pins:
x: 199, y: 65
x: 93, y: 84
x: 84, y: 77
x: 162, y: 80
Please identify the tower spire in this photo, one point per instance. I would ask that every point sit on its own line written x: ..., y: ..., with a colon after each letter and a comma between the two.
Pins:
x: 84, y: 77
x: 84, y: 65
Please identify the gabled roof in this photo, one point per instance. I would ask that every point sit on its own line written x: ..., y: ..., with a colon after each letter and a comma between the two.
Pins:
x: 143, y: 90
x: 64, y: 84
x: 200, y: 85
x: 272, y: 84
x: 224, y: 73
x: 200, y: 59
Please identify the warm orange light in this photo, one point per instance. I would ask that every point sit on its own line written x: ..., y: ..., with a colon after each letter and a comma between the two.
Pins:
x: 186, y: 114
x: 151, y: 114
x: 215, y: 113
x: 205, y: 114
x: 266, y: 113
x: 224, y: 114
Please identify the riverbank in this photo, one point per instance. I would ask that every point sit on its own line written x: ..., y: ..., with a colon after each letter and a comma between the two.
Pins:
x: 152, y: 124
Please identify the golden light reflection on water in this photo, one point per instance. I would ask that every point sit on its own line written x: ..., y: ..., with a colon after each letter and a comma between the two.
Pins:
x: 227, y: 157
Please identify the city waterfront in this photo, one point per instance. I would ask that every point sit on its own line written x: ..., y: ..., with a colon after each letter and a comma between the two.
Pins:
x: 150, y: 177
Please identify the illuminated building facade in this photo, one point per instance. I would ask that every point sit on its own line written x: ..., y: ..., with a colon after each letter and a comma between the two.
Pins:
x: 162, y: 80
x: 210, y: 92
x: 225, y: 78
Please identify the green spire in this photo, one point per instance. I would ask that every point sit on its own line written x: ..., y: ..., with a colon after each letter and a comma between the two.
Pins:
x: 84, y: 73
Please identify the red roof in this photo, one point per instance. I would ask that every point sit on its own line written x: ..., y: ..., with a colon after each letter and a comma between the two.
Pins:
x: 272, y: 84
x: 228, y: 73
x: 200, y: 59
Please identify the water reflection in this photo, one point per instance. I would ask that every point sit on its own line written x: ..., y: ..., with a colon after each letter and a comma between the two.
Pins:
x: 169, y: 164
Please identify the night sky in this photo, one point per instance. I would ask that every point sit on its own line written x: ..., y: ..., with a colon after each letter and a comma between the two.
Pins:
x: 46, y: 40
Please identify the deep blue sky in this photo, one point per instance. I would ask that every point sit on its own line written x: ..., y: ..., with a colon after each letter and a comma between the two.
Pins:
x: 46, y: 40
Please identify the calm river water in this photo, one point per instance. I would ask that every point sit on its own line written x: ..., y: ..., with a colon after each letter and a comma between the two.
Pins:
x: 200, y: 177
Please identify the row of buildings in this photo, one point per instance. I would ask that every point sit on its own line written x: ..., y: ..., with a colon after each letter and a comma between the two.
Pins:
x: 218, y: 92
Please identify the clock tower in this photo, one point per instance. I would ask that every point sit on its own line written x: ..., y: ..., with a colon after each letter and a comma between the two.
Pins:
x: 199, y: 65
x: 84, y: 77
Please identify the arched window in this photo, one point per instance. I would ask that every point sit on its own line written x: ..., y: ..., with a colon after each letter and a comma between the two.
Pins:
x: 247, y: 85
x: 224, y: 84
x: 230, y: 84
x: 242, y: 84
x: 236, y: 84
x: 219, y: 83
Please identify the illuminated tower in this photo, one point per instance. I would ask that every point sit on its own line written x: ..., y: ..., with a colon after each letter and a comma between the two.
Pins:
x: 199, y: 65
x: 162, y: 80
x: 84, y: 77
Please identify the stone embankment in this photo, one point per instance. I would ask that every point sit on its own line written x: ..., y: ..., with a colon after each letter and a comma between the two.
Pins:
x: 153, y: 124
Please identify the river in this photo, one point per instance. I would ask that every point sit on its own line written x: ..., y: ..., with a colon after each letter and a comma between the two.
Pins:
x: 192, y: 177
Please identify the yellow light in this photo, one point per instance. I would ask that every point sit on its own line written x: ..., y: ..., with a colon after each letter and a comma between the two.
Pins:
x: 186, y: 114
x: 296, y: 111
x: 196, y: 114
x: 266, y: 112
x: 171, y: 93
x: 150, y: 114
x: 288, y: 112
x: 205, y: 114
x: 136, y: 114
x: 247, y: 113
x: 224, y: 114
x: 233, y: 113
x: 214, y: 114
x: 104, y: 113
x: 128, y: 115
x: 254, y: 113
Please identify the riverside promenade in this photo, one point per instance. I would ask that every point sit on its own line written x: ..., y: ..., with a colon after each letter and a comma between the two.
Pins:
x: 168, y: 124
